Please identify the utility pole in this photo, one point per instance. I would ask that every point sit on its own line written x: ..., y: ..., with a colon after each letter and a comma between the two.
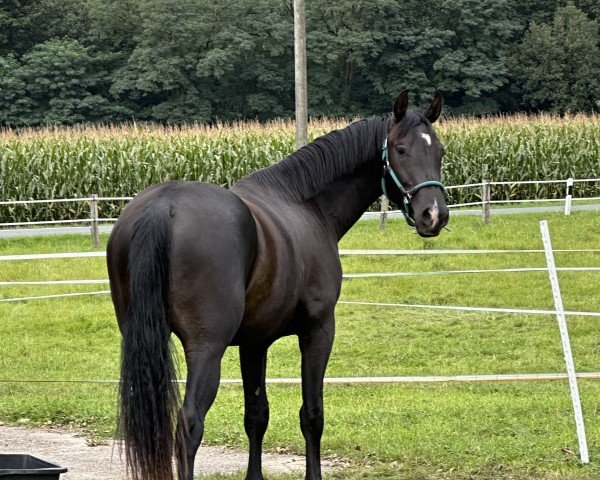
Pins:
x: 300, y: 73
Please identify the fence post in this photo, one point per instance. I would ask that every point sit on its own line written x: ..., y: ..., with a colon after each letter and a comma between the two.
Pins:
x: 385, y: 204
x: 569, y: 196
x: 94, y: 222
x: 566, y: 343
x: 485, y: 199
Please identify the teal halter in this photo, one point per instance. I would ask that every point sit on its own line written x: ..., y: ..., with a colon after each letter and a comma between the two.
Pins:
x: 406, y: 194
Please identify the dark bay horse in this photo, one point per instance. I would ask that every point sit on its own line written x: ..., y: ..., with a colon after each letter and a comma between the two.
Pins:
x: 247, y: 266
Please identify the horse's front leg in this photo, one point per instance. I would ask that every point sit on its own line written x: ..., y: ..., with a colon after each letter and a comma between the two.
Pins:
x: 253, y: 362
x: 315, y: 345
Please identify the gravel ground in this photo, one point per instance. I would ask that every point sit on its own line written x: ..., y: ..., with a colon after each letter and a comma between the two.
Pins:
x: 103, y: 463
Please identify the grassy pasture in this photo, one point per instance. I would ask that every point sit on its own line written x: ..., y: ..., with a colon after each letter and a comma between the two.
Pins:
x: 414, y: 431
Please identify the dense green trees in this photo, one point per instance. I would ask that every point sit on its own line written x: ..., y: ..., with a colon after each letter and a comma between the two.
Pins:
x: 58, y: 81
x: 558, y: 63
x: 178, y: 61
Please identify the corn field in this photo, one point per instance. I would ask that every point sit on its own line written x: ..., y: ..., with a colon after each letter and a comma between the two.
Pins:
x: 518, y: 148
x: 121, y: 161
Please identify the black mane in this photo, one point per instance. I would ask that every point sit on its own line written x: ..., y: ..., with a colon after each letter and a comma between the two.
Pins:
x: 304, y: 173
x: 307, y: 171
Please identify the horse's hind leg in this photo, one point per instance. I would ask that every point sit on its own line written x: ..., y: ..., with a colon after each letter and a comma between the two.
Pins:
x: 204, y: 372
x: 315, y: 346
x: 253, y: 362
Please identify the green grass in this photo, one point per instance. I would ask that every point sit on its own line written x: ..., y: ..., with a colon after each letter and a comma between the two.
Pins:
x: 415, y: 431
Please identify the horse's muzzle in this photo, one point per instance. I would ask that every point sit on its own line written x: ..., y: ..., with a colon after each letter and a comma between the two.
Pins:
x: 431, y: 219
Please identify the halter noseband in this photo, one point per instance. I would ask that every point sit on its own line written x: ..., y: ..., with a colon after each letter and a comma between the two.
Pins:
x: 406, y: 194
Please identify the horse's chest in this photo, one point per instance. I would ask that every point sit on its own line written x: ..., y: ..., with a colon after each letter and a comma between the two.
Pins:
x: 279, y: 303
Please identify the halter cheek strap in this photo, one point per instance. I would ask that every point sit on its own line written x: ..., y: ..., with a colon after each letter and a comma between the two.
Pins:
x: 406, y: 194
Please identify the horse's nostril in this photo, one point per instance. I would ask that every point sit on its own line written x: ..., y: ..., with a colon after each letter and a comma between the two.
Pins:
x: 444, y: 215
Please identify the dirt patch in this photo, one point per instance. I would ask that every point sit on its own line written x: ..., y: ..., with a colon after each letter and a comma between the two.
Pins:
x: 104, y: 463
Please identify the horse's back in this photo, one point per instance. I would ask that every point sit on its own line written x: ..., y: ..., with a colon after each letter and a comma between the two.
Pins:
x: 212, y: 247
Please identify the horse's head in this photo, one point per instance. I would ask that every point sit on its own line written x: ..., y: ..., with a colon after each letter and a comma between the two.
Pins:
x: 412, y: 158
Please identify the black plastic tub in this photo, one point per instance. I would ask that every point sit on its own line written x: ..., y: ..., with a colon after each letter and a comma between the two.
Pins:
x: 20, y: 466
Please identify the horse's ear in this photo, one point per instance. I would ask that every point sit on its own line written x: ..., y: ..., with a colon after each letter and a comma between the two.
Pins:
x: 435, y: 109
x: 401, y: 105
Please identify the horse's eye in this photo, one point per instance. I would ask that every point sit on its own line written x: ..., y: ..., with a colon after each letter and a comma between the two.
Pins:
x: 401, y: 150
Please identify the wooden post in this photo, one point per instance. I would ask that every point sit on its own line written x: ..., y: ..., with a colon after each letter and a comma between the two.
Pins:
x: 569, y: 196
x: 300, y: 73
x: 485, y: 198
x: 385, y: 204
x: 94, y: 222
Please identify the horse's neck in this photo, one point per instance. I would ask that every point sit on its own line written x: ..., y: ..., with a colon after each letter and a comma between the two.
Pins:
x: 345, y: 200
x: 338, y: 174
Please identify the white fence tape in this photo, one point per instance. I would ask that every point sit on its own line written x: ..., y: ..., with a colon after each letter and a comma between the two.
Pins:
x: 457, y: 252
x: 524, y: 311
x: 63, y: 200
x: 54, y: 282
x: 352, y: 302
x: 46, y: 297
x: 460, y: 272
x: 47, y: 256
x: 346, y: 276
x: 45, y: 222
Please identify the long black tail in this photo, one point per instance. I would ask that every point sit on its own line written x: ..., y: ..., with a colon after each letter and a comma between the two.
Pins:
x: 149, y: 397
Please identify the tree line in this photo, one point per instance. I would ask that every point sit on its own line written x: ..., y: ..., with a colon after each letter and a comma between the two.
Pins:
x: 183, y: 61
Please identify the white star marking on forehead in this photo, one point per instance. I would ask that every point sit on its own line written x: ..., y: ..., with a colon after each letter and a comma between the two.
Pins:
x: 427, y: 138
